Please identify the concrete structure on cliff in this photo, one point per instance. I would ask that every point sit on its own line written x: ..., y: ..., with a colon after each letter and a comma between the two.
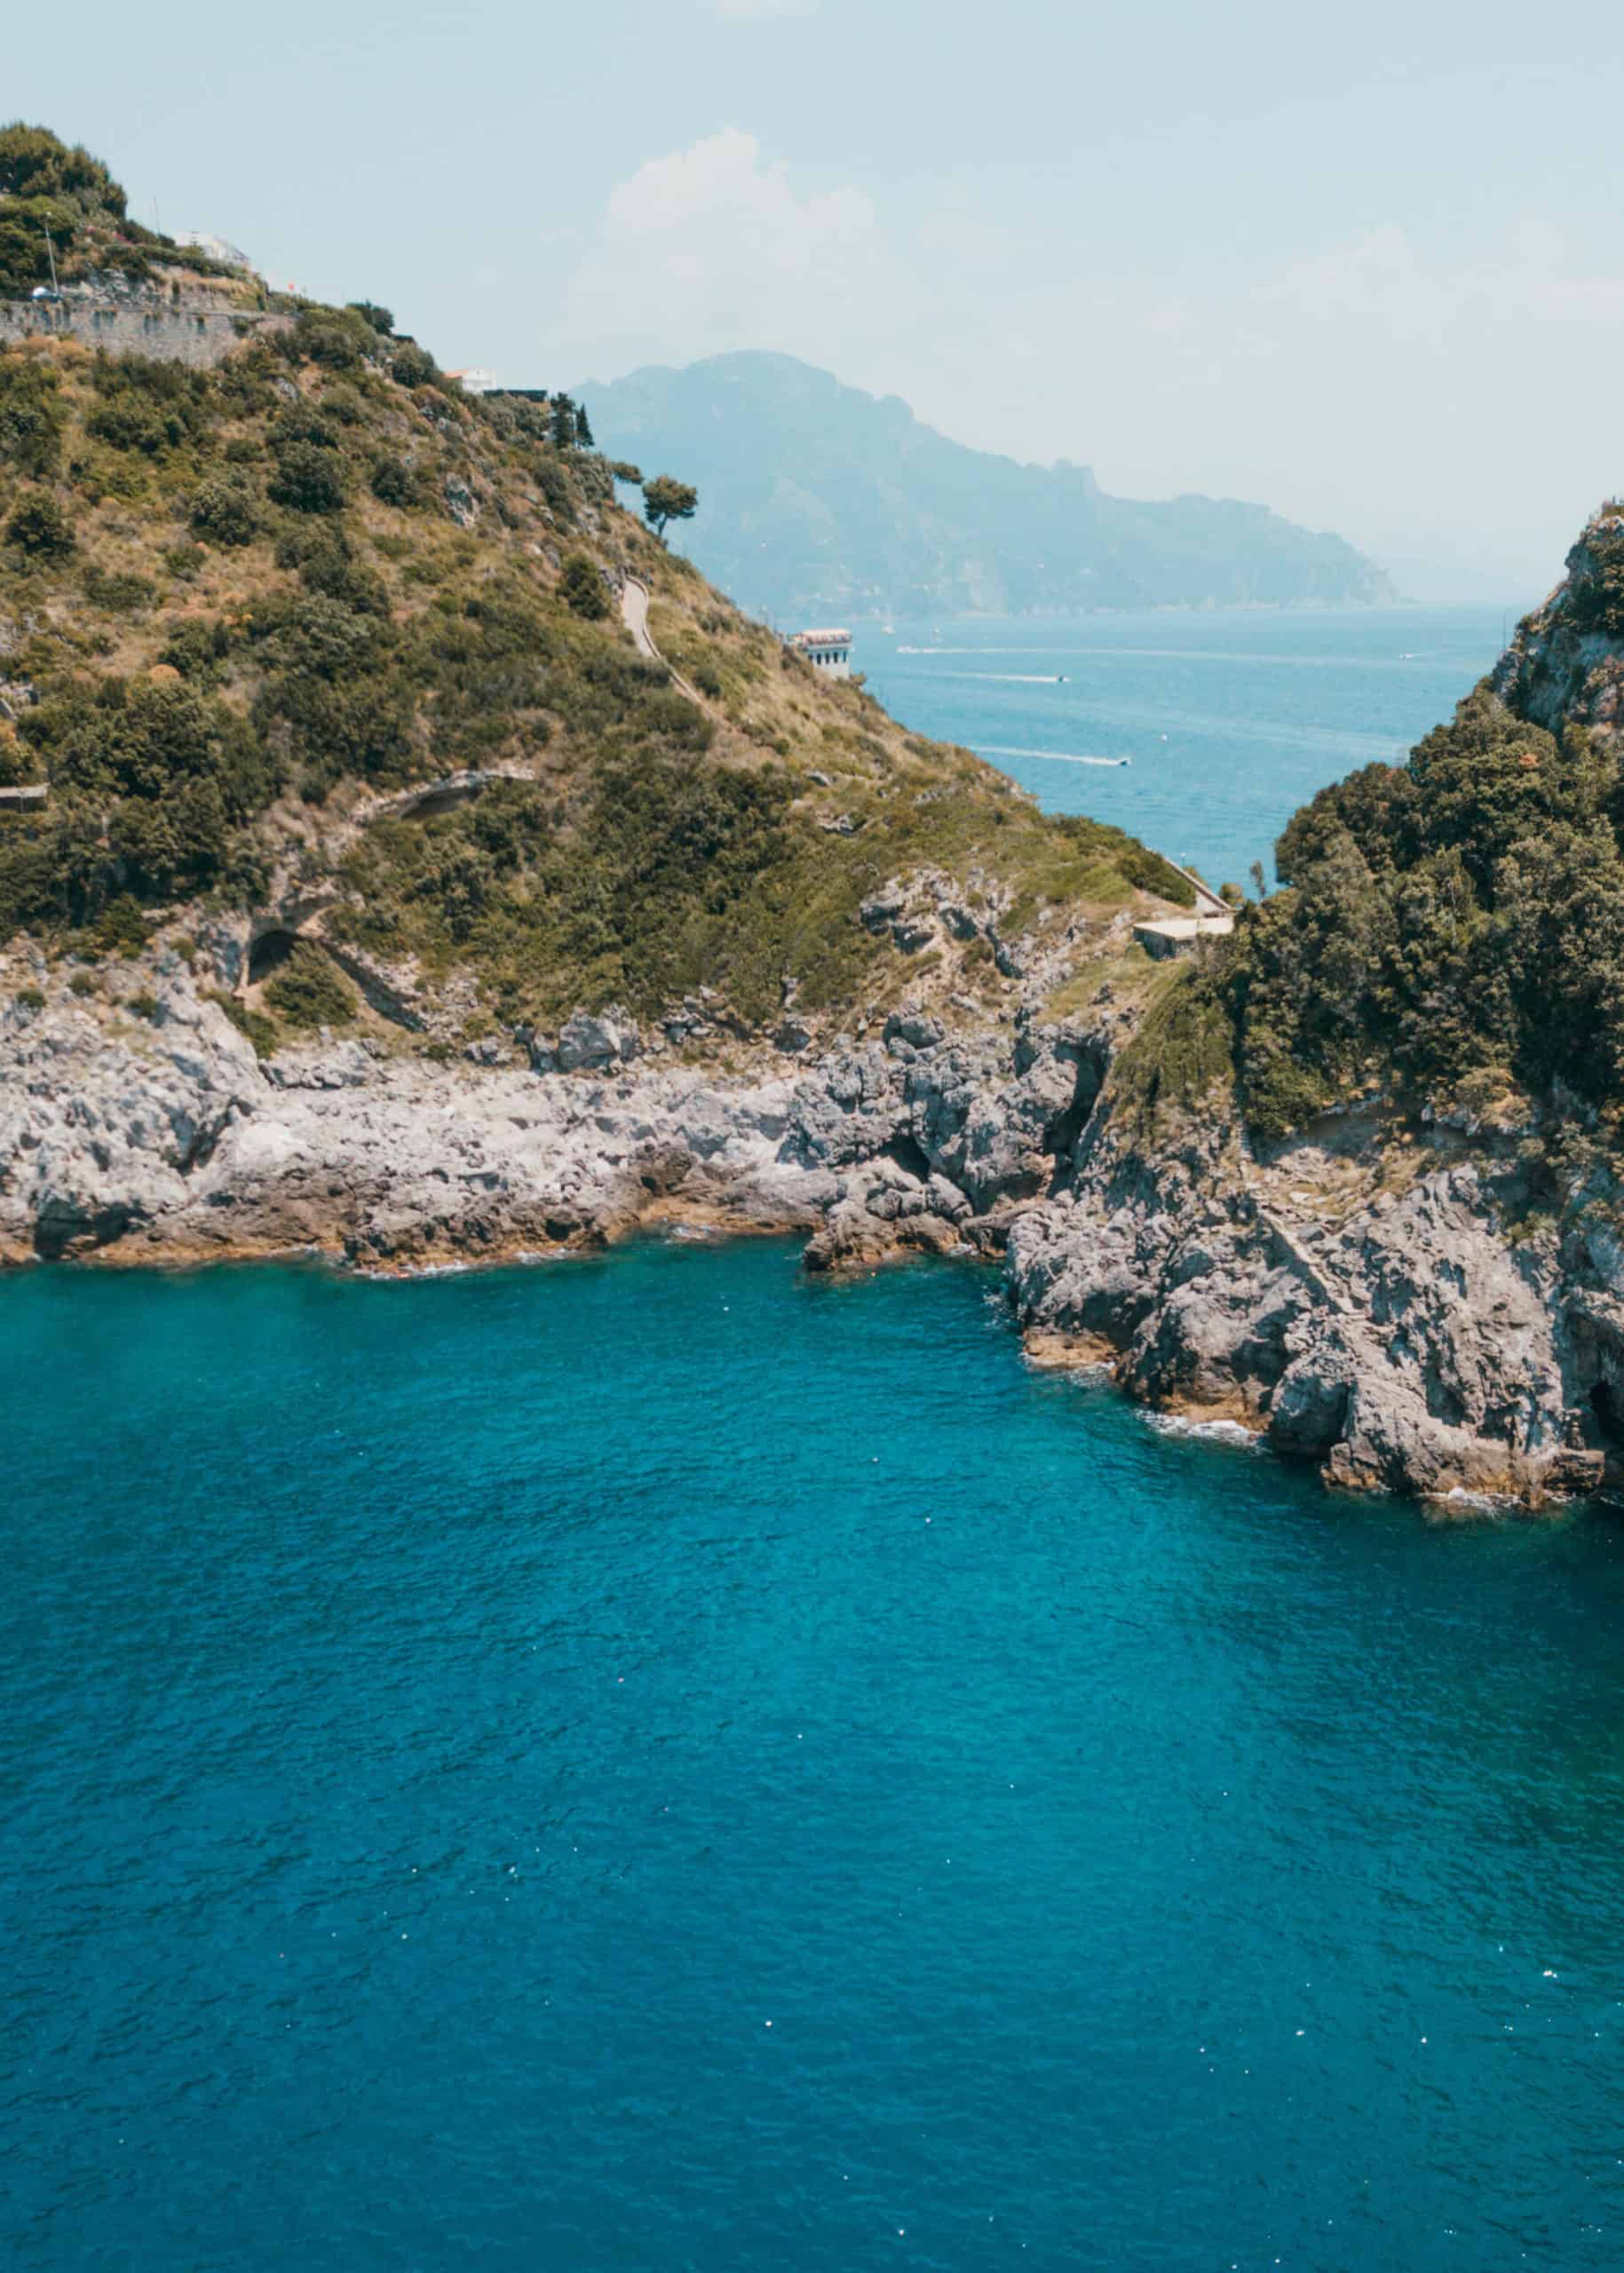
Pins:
x: 1178, y: 935
x: 828, y: 652
x: 216, y: 249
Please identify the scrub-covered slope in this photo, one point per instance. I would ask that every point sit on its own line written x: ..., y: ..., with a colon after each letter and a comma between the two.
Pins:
x: 245, y: 610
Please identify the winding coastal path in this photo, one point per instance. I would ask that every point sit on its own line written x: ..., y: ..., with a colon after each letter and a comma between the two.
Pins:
x: 634, y: 615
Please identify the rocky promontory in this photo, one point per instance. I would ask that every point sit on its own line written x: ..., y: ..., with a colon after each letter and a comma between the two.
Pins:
x: 1355, y: 1299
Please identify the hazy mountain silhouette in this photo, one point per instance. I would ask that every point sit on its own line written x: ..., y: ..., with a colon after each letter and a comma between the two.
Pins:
x: 819, y: 500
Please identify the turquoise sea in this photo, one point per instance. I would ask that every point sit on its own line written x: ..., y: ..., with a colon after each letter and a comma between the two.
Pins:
x: 663, y: 1763
x: 1229, y: 719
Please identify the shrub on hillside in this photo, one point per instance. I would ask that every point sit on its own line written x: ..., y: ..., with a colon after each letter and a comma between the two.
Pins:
x: 554, y: 485
x: 326, y: 562
x: 342, y: 403
x: 308, y: 478
x: 40, y: 530
x: 148, y: 405
x: 171, y: 846
x: 31, y: 416
x: 394, y: 483
x: 674, y: 719
x: 224, y: 512
x: 310, y: 991
x: 413, y: 366
x: 303, y: 421
x: 198, y: 649
x: 34, y: 163
x: 580, y: 586
x: 119, y: 594
x: 121, y: 929
x: 334, y: 336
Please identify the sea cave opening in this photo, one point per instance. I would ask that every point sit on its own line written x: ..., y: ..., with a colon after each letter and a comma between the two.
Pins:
x: 1609, y: 1419
x: 268, y: 953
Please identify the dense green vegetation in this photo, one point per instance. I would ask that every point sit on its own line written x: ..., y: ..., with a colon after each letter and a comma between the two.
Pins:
x: 1178, y: 1058
x: 45, y: 186
x: 309, y: 991
x: 663, y: 877
x: 316, y: 675
x: 1453, y: 925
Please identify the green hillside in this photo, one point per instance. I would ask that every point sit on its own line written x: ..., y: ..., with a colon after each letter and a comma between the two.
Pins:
x: 241, y: 609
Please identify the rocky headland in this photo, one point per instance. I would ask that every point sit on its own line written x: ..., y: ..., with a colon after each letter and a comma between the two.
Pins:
x: 1358, y: 1300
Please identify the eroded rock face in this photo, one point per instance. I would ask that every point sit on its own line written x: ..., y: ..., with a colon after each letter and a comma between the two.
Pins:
x: 106, y: 1121
x: 609, y: 1039
x: 1396, y: 1337
x: 461, y: 503
x: 1406, y: 1346
x: 1562, y: 668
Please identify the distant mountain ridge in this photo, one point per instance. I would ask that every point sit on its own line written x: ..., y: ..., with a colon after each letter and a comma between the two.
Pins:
x: 818, y: 500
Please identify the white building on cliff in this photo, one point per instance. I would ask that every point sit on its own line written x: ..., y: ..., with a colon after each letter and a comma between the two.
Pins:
x: 828, y: 652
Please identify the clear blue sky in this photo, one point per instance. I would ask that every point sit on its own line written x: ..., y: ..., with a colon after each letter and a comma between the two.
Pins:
x: 1365, y: 266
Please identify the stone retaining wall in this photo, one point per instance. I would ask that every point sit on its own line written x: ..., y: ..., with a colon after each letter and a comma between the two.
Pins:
x: 200, y: 338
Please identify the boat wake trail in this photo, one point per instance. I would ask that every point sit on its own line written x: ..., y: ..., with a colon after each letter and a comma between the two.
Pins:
x: 1060, y: 756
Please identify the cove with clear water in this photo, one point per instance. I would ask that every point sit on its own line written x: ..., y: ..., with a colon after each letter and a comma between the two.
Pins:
x: 664, y: 1762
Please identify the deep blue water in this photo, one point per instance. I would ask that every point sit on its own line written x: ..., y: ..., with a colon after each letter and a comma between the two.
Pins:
x: 1231, y: 719
x: 444, y: 1724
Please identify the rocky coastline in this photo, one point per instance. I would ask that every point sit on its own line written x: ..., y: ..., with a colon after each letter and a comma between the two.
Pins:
x: 1357, y: 1299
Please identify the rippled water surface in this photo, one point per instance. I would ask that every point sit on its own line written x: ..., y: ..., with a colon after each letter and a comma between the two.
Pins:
x: 1229, y: 719
x: 663, y: 1763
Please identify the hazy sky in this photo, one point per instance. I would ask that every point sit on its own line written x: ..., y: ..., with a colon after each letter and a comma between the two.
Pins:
x: 1365, y: 266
